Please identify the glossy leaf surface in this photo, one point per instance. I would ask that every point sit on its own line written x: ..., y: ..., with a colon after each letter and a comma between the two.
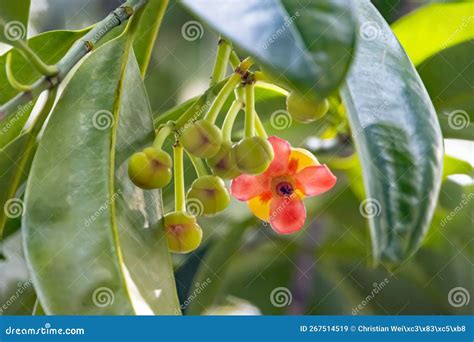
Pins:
x: 112, y: 257
x: 398, y: 138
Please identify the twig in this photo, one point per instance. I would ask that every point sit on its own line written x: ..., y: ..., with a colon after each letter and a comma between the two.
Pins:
x: 78, y: 50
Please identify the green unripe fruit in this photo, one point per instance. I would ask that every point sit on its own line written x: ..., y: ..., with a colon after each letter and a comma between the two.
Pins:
x: 253, y: 155
x: 207, y: 196
x: 182, y: 232
x: 223, y: 164
x: 150, y: 169
x: 202, y: 139
x: 306, y: 109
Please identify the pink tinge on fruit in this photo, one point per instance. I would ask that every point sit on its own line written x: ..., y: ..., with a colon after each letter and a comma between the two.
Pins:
x: 276, y: 195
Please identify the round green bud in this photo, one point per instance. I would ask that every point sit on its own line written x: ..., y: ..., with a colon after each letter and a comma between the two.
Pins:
x: 182, y: 232
x: 223, y: 164
x: 202, y: 139
x: 306, y: 109
x: 150, y: 169
x: 207, y: 196
x: 253, y: 155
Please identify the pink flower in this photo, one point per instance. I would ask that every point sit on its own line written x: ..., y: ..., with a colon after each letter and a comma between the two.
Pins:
x: 276, y: 195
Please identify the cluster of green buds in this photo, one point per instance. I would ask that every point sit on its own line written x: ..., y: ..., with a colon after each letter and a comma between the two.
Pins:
x: 210, y: 148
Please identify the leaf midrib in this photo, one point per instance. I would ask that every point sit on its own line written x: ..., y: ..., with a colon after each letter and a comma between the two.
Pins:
x: 112, y: 185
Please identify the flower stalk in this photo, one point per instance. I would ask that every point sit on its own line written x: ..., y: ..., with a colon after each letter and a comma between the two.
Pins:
x: 249, y: 110
x: 198, y: 165
x: 163, y: 132
x: 179, y: 190
x: 222, y: 59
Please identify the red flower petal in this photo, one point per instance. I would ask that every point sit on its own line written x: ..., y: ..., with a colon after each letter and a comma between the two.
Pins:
x: 315, y: 180
x: 246, y: 187
x: 287, y: 214
x: 282, y: 150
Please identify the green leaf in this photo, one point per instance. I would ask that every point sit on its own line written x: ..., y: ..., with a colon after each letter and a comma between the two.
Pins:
x: 214, y: 267
x: 16, y: 158
x: 94, y: 241
x: 50, y: 47
x: 147, y: 31
x: 15, y: 162
x: 14, y: 21
x: 11, y: 126
x: 307, y: 44
x: 398, y: 138
x: 447, y: 77
x: 433, y: 28
x: 455, y: 166
x: 439, y: 40
x: 17, y: 295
